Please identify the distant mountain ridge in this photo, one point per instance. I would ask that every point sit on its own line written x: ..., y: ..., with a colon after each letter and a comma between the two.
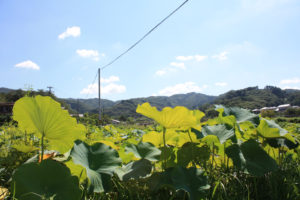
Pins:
x: 5, y: 90
x: 128, y: 107
x: 250, y: 98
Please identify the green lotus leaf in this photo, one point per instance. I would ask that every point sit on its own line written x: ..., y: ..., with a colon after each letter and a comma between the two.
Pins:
x: 144, y: 150
x: 269, y: 129
x: 219, y: 130
x: 99, y: 160
x: 250, y: 158
x: 241, y: 114
x: 44, y: 117
x: 192, y: 152
x: 191, y: 180
x: 35, y: 181
x: 134, y: 170
x: 177, y: 117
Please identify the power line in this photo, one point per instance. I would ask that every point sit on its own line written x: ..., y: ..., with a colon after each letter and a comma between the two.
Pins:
x: 148, y: 33
x: 92, y: 84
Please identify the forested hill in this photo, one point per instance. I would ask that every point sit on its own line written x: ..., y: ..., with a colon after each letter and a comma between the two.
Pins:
x: 253, y: 97
x: 190, y: 100
x: 88, y: 105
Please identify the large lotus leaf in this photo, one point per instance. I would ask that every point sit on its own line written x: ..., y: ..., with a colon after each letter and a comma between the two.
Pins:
x: 269, y: 129
x: 192, y: 180
x: 44, y: 117
x: 240, y: 114
x: 192, y: 152
x: 35, y: 181
x: 99, y: 160
x: 177, y: 117
x: 134, y: 170
x: 250, y: 158
x: 144, y: 150
x: 220, y: 131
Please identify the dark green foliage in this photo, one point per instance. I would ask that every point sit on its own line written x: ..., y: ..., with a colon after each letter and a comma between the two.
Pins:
x: 191, y: 180
x: 134, y: 170
x: 249, y: 157
x: 190, y: 152
x: 253, y: 97
x: 292, y: 112
x: 45, y: 180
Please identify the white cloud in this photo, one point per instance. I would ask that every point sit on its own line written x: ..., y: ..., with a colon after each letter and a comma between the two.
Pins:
x: 161, y: 72
x: 178, y: 65
x: 113, y: 88
x: 93, y: 54
x: 221, y: 56
x: 110, y: 79
x: 291, y: 87
x: 189, y: 58
x: 221, y: 84
x: 200, y: 58
x: 181, y: 88
x: 109, y: 89
x: 290, y: 81
x: 73, y: 31
x: 263, y: 5
x: 28, y: 65
x: 184, y: 58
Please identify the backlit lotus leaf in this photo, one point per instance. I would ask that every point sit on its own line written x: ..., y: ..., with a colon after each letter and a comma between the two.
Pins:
x: 156, y: 138
x: 169, y: 117
x: 44, y: 117
x: 269, y: 129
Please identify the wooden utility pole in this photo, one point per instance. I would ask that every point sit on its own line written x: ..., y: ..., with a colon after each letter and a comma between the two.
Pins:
x: 99, y: 93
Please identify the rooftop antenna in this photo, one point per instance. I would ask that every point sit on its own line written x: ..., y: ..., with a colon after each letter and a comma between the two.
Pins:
x: 50, y: 89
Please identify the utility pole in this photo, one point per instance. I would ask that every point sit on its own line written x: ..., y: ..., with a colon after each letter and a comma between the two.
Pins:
x: 50, y: 89
x: 99, y: 93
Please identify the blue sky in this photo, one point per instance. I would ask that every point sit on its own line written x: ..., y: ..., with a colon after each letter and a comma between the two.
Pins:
x: 208, y: 46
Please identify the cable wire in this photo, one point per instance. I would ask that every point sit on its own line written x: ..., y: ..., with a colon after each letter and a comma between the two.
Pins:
x: 92, y: 84
x: 148, y: 33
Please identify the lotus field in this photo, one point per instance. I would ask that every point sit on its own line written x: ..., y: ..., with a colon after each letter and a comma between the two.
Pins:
x: 46, y: 154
